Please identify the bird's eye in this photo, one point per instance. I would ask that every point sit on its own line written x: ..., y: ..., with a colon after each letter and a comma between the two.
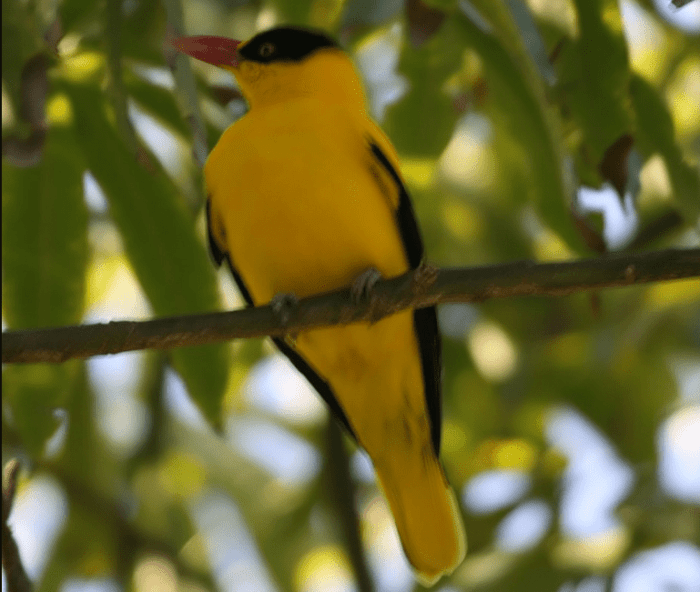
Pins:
x: 266, y: 50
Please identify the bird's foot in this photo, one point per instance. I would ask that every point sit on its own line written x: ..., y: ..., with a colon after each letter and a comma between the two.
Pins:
x: 361, y: 289
x: 282, y: 305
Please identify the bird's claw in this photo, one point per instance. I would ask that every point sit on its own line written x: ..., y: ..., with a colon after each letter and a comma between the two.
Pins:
x: 361, y: 288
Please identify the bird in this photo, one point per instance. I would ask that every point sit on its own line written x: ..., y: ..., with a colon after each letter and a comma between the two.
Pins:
x: 305, y: 196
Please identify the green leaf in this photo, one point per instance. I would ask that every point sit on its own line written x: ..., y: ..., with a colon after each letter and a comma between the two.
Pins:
x: 656, y: 135
x: 516, y: 105
x: 157, y: 101
x: 423, y: 121
x: 445, y: 5
x: 594, y: 79
x: 44, y: 238
x: 75, y: 14
x: 20, y: 40
x: 34, y: 392
x: 84, y: 455
x: 159, y: 236
x: 141, y: 34
x: 295, y: 12
x: 44, y: 259
x: 602, y: 93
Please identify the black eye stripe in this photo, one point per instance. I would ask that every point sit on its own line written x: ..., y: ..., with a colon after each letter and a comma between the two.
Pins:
x: 285, y: 44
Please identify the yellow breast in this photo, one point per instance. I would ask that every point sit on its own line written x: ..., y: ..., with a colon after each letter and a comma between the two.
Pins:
x: 300, y: 200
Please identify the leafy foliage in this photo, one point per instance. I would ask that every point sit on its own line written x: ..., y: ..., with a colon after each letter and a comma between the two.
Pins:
x: 509, y: 109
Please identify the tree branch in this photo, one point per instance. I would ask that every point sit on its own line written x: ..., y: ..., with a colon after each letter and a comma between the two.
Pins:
x: 341, y: 493
x: 422, y: 287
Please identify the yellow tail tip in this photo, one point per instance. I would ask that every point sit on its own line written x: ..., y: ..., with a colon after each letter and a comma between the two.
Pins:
x: 426, y: 515
x: 428, y: 576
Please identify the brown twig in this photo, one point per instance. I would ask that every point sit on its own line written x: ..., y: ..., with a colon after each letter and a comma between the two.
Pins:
x: 423, y: 287
x: 341, y: 490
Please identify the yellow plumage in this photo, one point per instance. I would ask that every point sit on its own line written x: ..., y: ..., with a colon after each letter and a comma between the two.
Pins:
x: 301, y: 202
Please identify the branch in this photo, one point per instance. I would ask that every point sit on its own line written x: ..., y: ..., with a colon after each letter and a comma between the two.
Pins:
x: 341, y: 494
x: 419, y: 288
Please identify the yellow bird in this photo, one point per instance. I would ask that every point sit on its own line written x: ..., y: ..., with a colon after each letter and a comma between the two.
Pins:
x: 305, y: 196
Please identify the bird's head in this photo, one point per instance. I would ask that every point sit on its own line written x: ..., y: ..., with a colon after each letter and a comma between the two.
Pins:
x: 280, y: 64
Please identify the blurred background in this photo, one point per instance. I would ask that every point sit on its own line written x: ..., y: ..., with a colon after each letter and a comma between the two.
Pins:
x: 539, y: 129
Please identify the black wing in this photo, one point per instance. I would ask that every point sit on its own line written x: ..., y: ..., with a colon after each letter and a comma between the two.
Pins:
x: 321, y: 386
x: 217, y: 253
x: 424, y: 319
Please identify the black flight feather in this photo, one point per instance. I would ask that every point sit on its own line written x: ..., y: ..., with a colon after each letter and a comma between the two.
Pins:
x: 424, y: 319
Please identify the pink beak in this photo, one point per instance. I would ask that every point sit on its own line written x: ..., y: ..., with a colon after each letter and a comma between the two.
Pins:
x: 218, y: 51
